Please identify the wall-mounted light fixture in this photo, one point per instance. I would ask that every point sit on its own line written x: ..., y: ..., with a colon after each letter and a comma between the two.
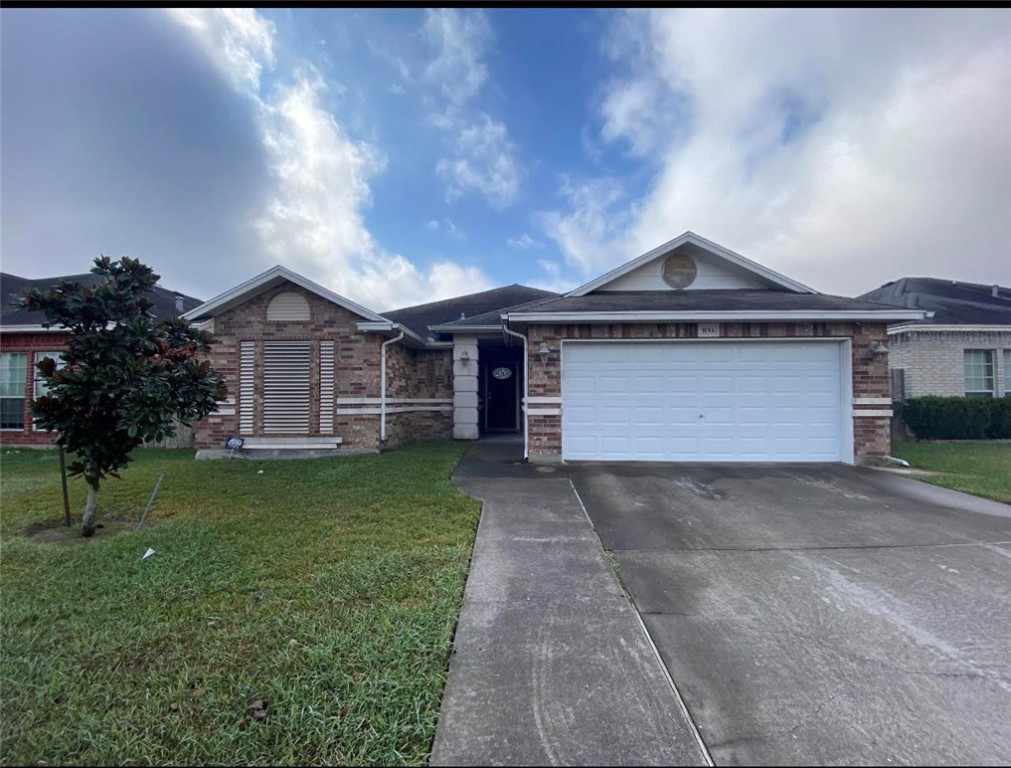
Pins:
x: 878, y: 349
x: 544, y: 351
x: 465, y: 358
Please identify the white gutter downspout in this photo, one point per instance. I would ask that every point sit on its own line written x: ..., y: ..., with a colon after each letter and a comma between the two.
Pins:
x: 526, y: 391
x: 382, y: 387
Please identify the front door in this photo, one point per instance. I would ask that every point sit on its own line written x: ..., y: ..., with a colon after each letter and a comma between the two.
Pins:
x: 501, y: 396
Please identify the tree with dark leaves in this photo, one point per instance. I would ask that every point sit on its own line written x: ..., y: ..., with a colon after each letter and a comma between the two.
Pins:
x: 125, y: 378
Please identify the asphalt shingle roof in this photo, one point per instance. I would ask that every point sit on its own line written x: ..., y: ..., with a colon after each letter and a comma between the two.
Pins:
x: 12, y: 286
x: 419, y: 317
x: 690, y: 301
x: 952, y: 302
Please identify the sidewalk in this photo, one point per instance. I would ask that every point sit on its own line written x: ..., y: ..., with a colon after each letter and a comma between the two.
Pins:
x: 550, y: 665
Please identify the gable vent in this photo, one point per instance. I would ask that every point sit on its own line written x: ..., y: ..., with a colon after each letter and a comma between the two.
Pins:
x: 288, y: 306
x: 286, y: 387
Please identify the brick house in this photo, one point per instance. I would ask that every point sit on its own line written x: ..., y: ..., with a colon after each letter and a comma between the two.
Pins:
x: 690, y: 352
x: 24, y: 341
x: 963, y: 348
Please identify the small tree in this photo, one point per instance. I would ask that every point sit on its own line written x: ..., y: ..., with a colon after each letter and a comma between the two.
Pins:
x: 125, y: 378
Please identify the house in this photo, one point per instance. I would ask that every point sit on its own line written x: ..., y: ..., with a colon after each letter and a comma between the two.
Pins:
x: 25, y: 340
x: 962, y: 348
x: 689, y: 352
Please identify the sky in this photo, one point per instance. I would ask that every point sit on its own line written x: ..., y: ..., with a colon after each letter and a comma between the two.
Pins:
x: 400, y: 156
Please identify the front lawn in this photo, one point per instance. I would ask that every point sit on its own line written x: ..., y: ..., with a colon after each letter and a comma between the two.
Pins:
x: 982, y: 468
x: 325, y: 589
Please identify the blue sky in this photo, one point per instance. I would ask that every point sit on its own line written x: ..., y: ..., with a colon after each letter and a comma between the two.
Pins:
x: 398, y: 156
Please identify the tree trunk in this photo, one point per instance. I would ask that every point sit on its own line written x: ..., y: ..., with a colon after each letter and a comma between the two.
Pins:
x: 88, y: 527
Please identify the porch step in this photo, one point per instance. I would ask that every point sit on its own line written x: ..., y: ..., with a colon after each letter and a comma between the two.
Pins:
x: 291, y: 443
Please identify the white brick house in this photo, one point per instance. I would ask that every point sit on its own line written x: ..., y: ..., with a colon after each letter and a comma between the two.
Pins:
x: 962, y: 349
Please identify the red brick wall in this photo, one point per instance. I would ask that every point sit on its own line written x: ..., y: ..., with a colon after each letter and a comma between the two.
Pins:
x: 870, y: 375
x: 410, y: 373
x: 29, y: 344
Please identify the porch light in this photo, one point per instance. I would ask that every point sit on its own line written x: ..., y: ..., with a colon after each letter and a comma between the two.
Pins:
x: 465, y: 358
x: 544, y: 351
x: 878, y: 349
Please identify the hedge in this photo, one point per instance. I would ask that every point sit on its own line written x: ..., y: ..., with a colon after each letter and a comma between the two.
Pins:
x: 959, y: 418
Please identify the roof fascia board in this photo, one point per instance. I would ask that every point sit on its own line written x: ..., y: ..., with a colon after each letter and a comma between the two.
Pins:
x: 464, y: 328
x: 33, y: 329
x: 388, y: 326
x: 701, y: 242
x: 730, y: 315
x: 930, y: 328
x: 235, y: 295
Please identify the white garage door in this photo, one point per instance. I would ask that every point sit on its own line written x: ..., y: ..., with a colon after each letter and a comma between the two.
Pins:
x: 702, y: 401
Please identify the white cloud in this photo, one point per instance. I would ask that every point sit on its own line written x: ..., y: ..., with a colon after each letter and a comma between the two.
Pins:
x: 448, y: 226
x: 524, y: 242
x: 482, y: 157
x: 238, y: 40
x: 314, y: 222
x: 482, y: 162
x: 842, y: 147
x: 458, y: 69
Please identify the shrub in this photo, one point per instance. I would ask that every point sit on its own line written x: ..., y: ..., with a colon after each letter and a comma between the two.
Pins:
x: 959, y: 418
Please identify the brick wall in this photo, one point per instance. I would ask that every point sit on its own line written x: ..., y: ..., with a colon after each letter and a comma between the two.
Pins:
x: 410, y: 374
x: 934, y: 361
x: 29, y: 344
x: 870, y: 374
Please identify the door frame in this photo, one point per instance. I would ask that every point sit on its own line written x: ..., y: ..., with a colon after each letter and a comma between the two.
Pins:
x: 488, y: 368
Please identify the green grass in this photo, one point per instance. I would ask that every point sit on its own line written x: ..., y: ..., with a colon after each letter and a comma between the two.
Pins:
x: 983, y: 468
x: 329, y: 588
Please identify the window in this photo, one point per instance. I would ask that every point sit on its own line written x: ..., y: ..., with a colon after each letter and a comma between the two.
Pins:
x: 286, y: 387
x: 40, y: 383
x: 979, y: 372
x: 13, y: 375
x: 1007, y: 373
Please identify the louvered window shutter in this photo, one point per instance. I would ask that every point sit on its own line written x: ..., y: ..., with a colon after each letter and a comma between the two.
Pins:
x: 326, y: 387
x: 246, y: 383
x: 286, y: 387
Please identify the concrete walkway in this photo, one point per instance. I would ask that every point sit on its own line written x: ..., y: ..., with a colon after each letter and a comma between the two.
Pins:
x: 550, y: 663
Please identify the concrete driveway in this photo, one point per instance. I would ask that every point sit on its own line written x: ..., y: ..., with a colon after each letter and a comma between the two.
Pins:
x: 818, y: 614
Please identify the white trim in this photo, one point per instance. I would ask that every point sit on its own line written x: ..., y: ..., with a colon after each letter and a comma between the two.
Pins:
x: 444, y: 328
x: 546, y: 400
x: 274, y: 276
x: 707, y: 245
x: 649, y: 316
x: 872, y: 401
x: 33, y: 329
x: 543, y: 411
x: 402, y: 400
x: 848, y: 448
x: 858, y: 412
x: 377, y: 411
x: 910, y: 327
x: 391, y: 327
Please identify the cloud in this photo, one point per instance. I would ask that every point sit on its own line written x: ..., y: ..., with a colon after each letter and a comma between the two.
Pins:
x: 482, y: 157
x: 239, y: 40
x: 482, y: 162
x: 524, y: 242
x: 314, y: 221
x: 843, y: 147
x: 448, y: 226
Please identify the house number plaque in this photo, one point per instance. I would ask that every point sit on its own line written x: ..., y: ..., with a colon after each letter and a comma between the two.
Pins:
x: 709, y: 329
x: 502, y: 373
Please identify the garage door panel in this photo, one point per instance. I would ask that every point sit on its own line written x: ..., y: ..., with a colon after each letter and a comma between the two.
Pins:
x: 704, y: 401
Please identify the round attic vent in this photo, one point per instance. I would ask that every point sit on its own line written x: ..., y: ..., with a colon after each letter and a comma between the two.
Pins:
x: 679, y: 271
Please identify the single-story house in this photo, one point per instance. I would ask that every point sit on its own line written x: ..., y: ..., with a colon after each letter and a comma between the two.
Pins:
x: 25, y: 340
x: 963, y: 347
x: 690, y: 352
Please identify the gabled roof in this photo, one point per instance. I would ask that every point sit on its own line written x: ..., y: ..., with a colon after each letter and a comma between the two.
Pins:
x: 12, y: 286
x: 740, y: 305
x: 952, y: 302
x: 717, y: 250
x: 461, y: 310
x: 266, y: 280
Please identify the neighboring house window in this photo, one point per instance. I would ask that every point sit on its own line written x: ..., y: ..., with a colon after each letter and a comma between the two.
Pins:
x: 1007, y: 373
x: 40, y: 383
x: 13, y: 375
x: 979, y: 372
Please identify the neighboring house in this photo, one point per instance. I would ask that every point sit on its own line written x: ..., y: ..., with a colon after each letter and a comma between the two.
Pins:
x: 962, y: 348
x: 690, y: 352
x: 24, y: 341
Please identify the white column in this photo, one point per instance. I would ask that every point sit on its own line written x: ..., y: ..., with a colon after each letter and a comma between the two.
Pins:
x: 465, y: 370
